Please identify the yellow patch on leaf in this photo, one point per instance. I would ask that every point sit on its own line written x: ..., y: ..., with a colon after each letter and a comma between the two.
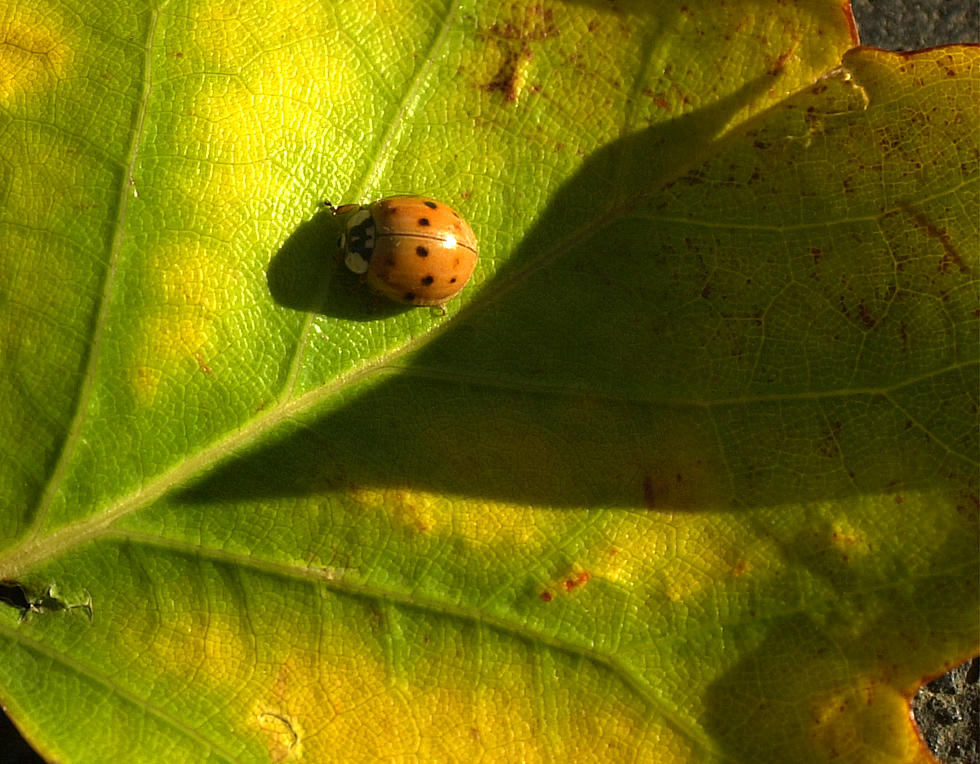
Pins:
x: 447, y: 704
x: 655, y: 550
x: 279, y: 45
x: 408, y: 509
x: 33, y: 51
x: 867, y: 721
x: 849, y: 541
x: 479, y: 523
x: 189, y: 291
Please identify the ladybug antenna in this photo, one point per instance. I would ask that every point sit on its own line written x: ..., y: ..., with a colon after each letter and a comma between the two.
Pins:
x: 343, y: 209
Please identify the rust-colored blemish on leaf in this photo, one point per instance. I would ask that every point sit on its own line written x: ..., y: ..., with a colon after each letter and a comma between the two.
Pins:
x: 579, y: 579
x: 546, y: 596
x: 512, y: 74
x: 514, y: 37
x: 659, y: 97
x: 779, y: 65
x: 865, y: 315
x: 850, y: 543
x: 951, y: 257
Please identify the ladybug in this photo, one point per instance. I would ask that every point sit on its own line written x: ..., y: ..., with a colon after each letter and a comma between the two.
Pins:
x: 411, y: 249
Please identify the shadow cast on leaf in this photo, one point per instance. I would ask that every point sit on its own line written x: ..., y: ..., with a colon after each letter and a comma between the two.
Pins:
x: 626, y: 356
x: 831, y: 673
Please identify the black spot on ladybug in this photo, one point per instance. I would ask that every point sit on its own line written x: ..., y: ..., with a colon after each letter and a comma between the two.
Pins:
x: 409, y: 297
x: 428, y: 280
x: 424, y: 222
x: 452, y: 280
x: 431, y: 205
x: 422, y: 251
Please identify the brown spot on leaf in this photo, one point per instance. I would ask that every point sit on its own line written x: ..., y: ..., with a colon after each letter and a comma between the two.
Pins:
x: 951, y: 257
x: 511, y: 75
x: 865, y: 315
x: 780, y: 63
x: 580, y: 579
x: 514, y: 37
x: 649, y: 495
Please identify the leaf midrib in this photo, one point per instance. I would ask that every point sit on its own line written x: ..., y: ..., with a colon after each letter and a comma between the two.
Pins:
x: 410, y: 101
x: 34, y: 549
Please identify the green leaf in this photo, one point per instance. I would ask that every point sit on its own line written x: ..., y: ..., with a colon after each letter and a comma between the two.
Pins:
x: 687, y: 473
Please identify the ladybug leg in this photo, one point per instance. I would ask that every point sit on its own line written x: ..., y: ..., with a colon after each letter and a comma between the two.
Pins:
x: 377, y: 301
x: 358, y: 285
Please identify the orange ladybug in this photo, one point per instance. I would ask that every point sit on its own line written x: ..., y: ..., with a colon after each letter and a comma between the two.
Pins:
x: 411, y: 249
